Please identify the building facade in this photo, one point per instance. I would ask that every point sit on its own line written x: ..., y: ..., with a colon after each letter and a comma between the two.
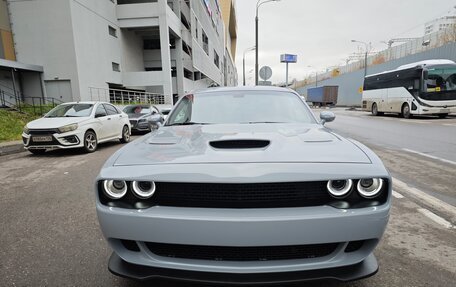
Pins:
x: 88, y: 49
x: 439, y: 24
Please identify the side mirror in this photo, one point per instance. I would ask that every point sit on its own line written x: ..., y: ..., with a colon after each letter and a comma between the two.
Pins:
x: 327, y: 117
x: 99, y: 115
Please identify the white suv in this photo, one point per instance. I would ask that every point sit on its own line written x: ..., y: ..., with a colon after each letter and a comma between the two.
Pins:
x: 76, y: 125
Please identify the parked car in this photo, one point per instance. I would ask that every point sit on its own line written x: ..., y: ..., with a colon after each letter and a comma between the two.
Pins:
x: 144, y: 117
x: 243, y: 185
x: 76, y: 125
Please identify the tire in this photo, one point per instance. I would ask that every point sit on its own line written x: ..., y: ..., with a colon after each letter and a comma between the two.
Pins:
x: 374, y: 109
x: 405, y: 111
x: 90, y: 142
x: 125, y: 135
x: 37, y: 151
x: 442, y: 116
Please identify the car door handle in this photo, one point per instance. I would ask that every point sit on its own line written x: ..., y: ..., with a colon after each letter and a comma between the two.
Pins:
x: 120, y: 116
x: 109, y: 119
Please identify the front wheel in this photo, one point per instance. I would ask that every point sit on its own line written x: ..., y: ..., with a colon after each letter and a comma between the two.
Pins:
x: 406, y: 111
x: 375, y: 111
x: 125, y: 135
x: 90, y: 142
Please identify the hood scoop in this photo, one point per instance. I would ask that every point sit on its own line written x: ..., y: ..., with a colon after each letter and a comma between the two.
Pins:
x: 239, y: 144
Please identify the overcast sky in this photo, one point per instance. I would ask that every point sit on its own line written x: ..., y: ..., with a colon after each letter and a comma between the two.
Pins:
x: 319, y: 32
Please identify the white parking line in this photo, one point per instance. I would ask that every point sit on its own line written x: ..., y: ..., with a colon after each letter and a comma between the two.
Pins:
x: 429, y: 156
x: 397, y: 195
x: 431, y: 200
x: 434, y: 217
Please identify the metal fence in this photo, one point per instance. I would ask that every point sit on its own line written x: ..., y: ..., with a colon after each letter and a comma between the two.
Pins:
x: 418, y: 45
x: 29, y: 105
x: 125, y: 97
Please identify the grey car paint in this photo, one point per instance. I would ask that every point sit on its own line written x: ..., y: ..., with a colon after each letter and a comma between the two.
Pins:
x: 297, y: 152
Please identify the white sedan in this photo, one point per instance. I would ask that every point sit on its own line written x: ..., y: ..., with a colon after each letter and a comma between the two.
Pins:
x: 76, y: 125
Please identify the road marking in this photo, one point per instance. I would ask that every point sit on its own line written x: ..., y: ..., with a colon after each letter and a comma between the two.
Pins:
x: 431, y: 200
x: 397, y: 195
x: 429, y: 156
x: 434, y: 217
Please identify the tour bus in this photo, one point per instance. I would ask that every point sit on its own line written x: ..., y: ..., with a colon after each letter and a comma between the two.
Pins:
x: 421, y: 88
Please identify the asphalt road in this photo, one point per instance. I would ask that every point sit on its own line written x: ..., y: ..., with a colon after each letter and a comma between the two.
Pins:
x: 50, y: 234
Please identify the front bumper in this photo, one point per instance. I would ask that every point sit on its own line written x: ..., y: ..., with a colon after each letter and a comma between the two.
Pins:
x: 73, y: 139
x: 422, y: 110
x: 244, y: 228
x: 366, y: 268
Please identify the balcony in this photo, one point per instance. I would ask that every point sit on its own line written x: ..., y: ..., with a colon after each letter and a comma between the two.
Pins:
x: 136, y: 15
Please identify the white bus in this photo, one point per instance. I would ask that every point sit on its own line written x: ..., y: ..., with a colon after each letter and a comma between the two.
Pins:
x: 421, y: 88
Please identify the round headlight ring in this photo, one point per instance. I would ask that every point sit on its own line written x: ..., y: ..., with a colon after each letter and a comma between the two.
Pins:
x: 371, y: 191
x: 143, y: 189
x: 342, y: 192
x: 115, y: 189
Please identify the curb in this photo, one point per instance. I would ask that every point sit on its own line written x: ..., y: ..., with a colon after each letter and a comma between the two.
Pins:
x: 11, y: 148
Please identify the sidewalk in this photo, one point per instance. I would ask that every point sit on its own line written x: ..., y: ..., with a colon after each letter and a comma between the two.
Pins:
x: 11, y: 147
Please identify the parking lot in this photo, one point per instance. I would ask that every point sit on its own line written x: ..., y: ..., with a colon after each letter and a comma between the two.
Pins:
x: 51, y: 237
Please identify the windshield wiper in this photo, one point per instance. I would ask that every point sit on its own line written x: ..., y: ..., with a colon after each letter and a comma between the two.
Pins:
x: 188, y: 124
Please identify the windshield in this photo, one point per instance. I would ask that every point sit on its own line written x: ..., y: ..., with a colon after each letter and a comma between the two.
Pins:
x: 141, y: 110
x: 441, y: 79
x: 240, y: 107
x: 70, y: 110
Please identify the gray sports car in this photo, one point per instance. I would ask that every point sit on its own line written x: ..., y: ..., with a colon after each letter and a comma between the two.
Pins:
x: 143, y: 117
x: 243, y: 185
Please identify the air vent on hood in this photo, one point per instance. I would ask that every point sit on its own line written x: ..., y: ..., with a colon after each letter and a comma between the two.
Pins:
x: 239, y: 144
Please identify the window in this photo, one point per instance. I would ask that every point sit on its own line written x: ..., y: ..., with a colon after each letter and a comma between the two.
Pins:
x: 216, y: 59
x: 185, y: 22
x: 110, y: 109
x: 112, y: 31
x: 151, y: 44
x: 187, y: 49
x: 205, y: 43
x: 100, y: 112
x: 196, y: 28
x: 188, y: 74
x: 115, y: 67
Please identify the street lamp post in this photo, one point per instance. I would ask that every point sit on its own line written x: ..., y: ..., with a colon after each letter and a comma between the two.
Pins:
x: 259, y: 3
x: 365, y: 54
x: 243, y: 63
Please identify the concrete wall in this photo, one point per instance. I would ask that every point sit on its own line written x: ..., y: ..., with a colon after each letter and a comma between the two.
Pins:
x: 43, y: 34
x: 96, y: 49
x: 132, y: 51
x: 350, y: 83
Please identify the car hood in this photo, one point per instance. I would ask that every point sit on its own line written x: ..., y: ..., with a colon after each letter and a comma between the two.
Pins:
x: 52, y: 123
x: 201, y: 144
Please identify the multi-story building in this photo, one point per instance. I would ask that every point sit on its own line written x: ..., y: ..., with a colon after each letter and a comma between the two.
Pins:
x: 90, y: 48
x: 439, y: 24
x: 16, y: 79
x: 229, y: 18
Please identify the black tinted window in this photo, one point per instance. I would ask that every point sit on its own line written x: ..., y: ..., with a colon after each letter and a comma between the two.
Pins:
x: 111, y: 109
x: 100, y: 111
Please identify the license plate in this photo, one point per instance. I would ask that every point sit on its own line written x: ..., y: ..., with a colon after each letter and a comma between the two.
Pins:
x: 42, y: 139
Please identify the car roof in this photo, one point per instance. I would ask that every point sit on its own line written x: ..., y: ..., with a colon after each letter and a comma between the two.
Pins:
x: 243, y: 88
x: 85, y: 102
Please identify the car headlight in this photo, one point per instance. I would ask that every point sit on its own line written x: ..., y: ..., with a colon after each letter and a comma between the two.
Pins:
x: 68, y: 128
x: 26, y: 130
x: 143, y: 189
x: 115, y: 189
x: 339, y: 188
x: 370, y: 187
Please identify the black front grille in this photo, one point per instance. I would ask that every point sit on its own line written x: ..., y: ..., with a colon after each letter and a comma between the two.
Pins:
x: 248, y: 195
x: 44, y: 132
x: 224, y: 253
